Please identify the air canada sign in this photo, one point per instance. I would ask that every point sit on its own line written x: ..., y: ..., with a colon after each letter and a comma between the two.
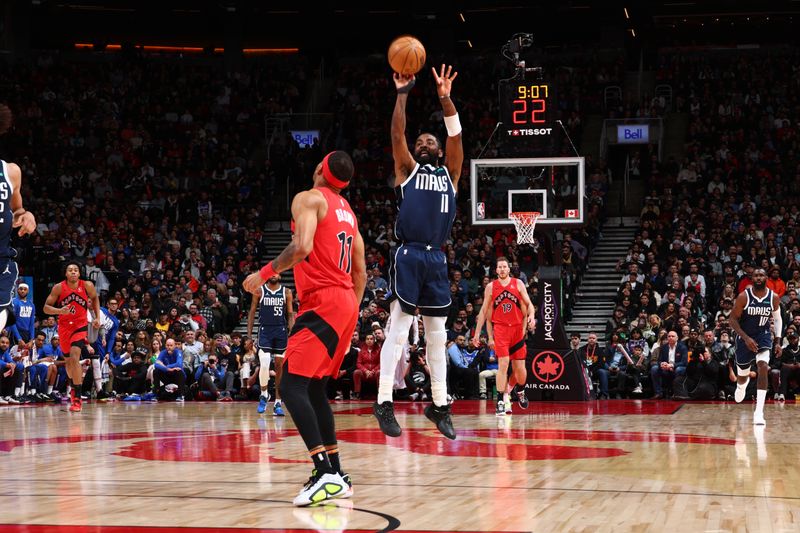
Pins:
x: 554, y: 372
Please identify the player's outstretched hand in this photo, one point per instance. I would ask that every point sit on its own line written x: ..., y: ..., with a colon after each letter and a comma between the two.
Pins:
x: 252, y: 283
x: 444, y: 79
x: 404, y: 82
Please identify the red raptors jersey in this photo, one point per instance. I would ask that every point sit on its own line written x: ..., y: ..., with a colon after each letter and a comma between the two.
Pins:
x: 329, y: 264
x: 78, y: 302
x: 507, y: 303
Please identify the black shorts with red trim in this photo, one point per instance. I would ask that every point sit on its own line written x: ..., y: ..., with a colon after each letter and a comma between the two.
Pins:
x: 322, y: 332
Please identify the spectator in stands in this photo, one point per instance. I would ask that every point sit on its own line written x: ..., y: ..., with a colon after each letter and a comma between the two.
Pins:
x: 215, y: 381
x: 12, y: 374
x: 341, y: 387
x: 789, y: 366
x: 169, y: 369
x: 24, y: 314
x: 672, y: 361
x: 367, y: 365
x: 130, y: 377
x: 486, y: 363
x: 460, y: 374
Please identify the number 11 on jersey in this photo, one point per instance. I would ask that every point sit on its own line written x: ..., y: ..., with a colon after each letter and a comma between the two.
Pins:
x: 346, y: 242
x: 445, y: 204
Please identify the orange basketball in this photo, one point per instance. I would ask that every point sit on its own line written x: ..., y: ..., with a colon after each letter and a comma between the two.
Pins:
x: 406, y: 55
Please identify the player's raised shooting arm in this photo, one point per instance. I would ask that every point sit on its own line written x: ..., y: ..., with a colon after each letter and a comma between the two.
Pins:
x: 289, y: 309
x: 52, y: 298
x: 251, y: 315
x: 305, y: 212
x: 454, y: 150
x: 403, y: 161
x: 359, y: 269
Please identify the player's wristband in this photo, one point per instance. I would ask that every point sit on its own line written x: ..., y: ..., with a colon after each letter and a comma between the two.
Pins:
x: 453, y: 125
x: 267, y: 272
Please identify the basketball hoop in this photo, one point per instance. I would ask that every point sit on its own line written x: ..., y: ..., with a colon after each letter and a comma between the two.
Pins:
x: 525, y: 222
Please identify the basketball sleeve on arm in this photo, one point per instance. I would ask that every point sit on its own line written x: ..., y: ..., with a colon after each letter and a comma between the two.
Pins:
x: 777, y: 322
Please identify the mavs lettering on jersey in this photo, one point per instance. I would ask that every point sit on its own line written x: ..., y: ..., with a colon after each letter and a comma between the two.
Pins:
x: 271, y: 307
x: 757, y: 314
x: 427, y: 206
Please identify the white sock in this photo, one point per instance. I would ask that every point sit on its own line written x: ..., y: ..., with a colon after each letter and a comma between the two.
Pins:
x: 761, y: 396
x: 263, y: 371
x: 49, y: 389
x: 436, y: 338
x: 18, y: 391
x: 392, y: 350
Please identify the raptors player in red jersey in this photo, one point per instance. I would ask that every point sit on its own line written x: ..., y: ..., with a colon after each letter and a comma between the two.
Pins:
x: 512, y: 313
x: 327, y: 253
x: 71, y: 300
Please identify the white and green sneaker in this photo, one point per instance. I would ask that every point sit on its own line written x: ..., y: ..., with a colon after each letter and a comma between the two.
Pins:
x: 321, y: 487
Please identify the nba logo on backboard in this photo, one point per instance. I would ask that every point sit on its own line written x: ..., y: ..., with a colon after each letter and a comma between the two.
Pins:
x: 481, y: 210
x: 571, y: 213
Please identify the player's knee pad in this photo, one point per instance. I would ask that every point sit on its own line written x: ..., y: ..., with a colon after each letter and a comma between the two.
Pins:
x: 743, y: 372
x: 762, y: 356
x: 435, y: 334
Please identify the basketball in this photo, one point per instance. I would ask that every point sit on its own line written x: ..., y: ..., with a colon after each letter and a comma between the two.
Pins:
x: 406, y: 55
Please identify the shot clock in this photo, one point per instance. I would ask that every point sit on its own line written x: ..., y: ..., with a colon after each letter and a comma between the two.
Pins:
x: 527, y: 108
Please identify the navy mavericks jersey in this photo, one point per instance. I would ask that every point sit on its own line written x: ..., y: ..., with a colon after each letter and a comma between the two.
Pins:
x: 756, y: 319
x: 271, y: 307
x: 6, y: 213
x: 427, y: 206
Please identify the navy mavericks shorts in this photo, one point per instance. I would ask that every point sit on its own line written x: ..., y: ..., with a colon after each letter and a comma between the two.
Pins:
x: 745, y: 357
x: 419, y: 279
x: 272, y: 339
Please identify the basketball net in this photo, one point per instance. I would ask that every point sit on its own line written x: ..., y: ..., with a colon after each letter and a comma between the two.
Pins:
x: 525, y: 223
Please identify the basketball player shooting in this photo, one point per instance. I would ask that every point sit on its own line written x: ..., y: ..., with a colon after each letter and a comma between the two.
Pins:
x: 327, y: 253
x: 512, y: 314
x: 750, y: 319
x: 426, y: 195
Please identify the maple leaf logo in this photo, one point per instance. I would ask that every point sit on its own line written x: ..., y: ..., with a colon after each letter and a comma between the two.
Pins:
x: 547, y: 367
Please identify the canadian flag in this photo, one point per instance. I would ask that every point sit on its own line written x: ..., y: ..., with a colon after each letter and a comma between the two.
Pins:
x: 571, y: 213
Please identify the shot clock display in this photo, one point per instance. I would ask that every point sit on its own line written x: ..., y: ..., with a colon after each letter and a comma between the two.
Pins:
x: 527, y: 108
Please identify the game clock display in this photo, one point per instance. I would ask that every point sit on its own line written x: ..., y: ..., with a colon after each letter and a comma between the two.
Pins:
x: 527, y: 108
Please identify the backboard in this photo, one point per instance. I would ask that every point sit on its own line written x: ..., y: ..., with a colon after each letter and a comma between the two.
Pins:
x: 553, y: 186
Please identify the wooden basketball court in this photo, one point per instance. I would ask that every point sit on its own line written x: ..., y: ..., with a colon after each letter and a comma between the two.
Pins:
x: 594, y: 466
